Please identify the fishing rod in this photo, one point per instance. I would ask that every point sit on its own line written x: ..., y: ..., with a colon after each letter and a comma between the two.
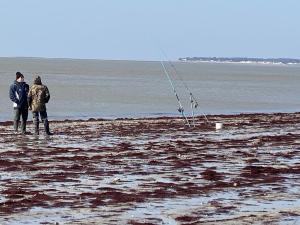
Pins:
x: 180, y: 109
x: 193, y: 101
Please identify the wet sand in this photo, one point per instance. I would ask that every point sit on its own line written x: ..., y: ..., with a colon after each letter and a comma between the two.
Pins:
x: 154, y: 171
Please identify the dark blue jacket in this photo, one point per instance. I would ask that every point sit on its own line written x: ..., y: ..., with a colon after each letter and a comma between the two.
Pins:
x: 18, y: 94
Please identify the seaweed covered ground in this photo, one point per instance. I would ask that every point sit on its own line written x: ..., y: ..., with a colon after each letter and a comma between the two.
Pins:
x: 153, y: 171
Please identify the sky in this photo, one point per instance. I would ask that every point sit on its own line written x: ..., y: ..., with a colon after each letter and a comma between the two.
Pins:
x: 143, y: 29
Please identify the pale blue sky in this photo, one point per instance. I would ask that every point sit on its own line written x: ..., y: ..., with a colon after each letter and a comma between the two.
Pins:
x: 133, y: 29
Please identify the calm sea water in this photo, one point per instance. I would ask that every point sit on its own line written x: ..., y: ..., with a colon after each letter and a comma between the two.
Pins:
x: 110, y: 89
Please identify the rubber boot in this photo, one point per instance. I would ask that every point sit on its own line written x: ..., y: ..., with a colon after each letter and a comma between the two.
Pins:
x: 23, y: 127
x: 16, y: 125
x: 36, y: 127
x: 46, y: 125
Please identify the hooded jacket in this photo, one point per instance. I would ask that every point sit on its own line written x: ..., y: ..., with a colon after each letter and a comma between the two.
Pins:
x: 38, y: 96
x: 18, y: 94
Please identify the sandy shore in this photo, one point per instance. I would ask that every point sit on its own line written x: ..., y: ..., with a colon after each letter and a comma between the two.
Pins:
x: 154, y: 171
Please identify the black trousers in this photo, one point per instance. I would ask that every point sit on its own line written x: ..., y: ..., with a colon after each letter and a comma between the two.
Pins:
x: 23, y: 111
x: 18, y: 113
x: 37, y: 115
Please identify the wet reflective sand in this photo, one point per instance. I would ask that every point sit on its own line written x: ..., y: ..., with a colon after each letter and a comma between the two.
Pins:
x: 154, y: 171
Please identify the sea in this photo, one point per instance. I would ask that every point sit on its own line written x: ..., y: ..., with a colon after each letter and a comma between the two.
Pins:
x: 90, y: 88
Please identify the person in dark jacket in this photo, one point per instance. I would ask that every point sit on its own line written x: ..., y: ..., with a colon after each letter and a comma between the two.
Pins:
x: 18, y: 95
x: 38, y: 96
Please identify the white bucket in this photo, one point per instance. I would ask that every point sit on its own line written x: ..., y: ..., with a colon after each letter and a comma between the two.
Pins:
x: 219, y: 126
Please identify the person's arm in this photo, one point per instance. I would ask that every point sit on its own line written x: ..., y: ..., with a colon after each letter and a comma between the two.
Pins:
x: 12, y: 94
x: 27, y: 89
x: 47, y: 94
x: 29, y: 98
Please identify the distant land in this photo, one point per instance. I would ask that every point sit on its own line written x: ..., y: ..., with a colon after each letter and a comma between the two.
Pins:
x: 241, y: 60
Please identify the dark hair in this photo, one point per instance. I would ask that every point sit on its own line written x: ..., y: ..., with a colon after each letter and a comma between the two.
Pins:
x: 18, y: 75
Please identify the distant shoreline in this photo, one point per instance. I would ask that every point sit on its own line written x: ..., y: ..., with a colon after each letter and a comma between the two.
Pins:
x: 242, y: 60
x: 239, y: 60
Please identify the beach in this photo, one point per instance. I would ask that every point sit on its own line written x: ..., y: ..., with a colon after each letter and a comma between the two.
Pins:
x: 153, y: 171
x: 121, y: 153
x: 149, y: 113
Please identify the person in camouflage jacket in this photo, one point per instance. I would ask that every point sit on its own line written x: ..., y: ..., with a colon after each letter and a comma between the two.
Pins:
x: 38, y: 96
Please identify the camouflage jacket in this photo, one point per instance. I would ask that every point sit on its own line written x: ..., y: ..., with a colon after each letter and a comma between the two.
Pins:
x: 38, y: 96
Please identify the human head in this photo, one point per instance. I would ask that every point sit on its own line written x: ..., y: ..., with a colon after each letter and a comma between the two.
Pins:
x: 19, y: 77
x: 37, y: 80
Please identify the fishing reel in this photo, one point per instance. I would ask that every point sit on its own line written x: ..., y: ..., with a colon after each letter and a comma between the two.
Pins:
x: 194, y: 102
x: 180, y: 109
